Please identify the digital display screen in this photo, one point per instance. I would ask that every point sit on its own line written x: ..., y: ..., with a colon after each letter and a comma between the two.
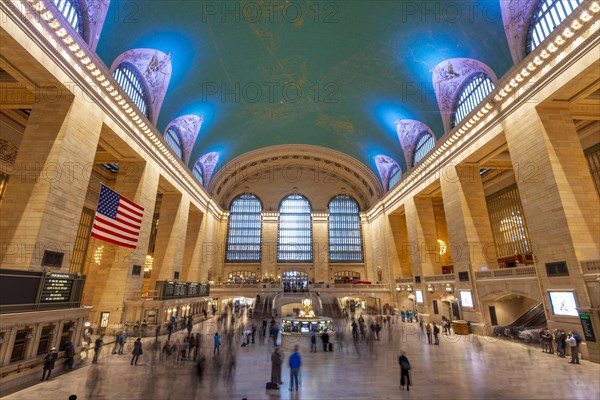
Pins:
x: 419, y: 296
x: 563, y: 303
x: 466, y: 298
x: 304, y: 328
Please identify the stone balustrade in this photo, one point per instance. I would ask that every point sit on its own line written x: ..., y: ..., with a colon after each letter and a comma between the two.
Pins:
x: 528, y: 271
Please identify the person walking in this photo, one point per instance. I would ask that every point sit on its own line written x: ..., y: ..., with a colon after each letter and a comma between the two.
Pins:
x: 276, y: 362
x: 295, y: 362
x: 404, y: 371
x: 137, y: 351
x: 325, y: 339
x: 428, y: 331
x: 69, y: 355
x: 122, y: 339
x: 436, y: 334
x: 313, y: 342
x: 217, y: 343
x: 97, y: 348
x: 49, y: 362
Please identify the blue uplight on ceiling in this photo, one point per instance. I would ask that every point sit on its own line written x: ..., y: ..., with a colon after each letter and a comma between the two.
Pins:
x: 386, y: 115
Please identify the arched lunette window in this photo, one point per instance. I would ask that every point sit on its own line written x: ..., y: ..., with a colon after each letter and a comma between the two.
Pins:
x: 130, y: 80
x: 199, y: 173
x: 423, y: 146
x: 294, y: 241
x: 547, y: 16
x: 345, y: 237
x: 472, y: 93
x: 245, y: 229
x: 395, y: 175
x: 173, y: 140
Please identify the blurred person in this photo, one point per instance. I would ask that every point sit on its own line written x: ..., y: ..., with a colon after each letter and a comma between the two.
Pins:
x: 49, y: 362
x: 295, y: 361
x: 404, y: 371
x: 137, y: 351
x: 276, y: 362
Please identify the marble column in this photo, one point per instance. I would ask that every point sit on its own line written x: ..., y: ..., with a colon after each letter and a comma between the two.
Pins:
x: 46, y: 191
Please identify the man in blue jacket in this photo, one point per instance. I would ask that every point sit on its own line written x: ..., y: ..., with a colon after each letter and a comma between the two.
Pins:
x: 295, y: 362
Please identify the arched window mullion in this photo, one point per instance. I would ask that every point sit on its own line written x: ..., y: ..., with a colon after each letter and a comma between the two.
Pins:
x: 344, y: 230
x: 71, y: 11
x: 294, y: 241
x: 130, y: 81
x: 548, y: 15
x: 244, y: 230
x: 478, y: 88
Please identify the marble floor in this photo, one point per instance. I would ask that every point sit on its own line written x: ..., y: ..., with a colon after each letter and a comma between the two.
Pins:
x: 461, y: 367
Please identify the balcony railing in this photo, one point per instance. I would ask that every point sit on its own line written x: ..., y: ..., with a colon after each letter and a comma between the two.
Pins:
x: 440, y: 278
x: 405, y: 280
x: 591, y: 267
x: 507, y: 273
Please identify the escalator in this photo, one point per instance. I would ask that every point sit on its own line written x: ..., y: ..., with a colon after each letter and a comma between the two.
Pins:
x: 526, y: 326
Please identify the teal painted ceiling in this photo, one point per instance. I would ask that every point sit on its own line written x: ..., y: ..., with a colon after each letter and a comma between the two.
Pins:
x: 336, y: 74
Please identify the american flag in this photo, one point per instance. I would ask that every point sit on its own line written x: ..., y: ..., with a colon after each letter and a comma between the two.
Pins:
x: 117, y: 219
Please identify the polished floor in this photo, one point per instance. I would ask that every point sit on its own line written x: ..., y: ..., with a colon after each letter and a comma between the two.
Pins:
x: 461, y: 367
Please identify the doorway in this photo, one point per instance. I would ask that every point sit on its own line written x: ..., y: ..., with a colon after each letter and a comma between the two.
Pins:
x: 294, y: 281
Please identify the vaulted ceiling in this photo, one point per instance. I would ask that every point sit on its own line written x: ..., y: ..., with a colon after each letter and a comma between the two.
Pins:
x: 336, y: 74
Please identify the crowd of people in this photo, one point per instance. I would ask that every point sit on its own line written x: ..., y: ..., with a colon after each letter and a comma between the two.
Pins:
x: 562, y: 340
x: 184, y: 346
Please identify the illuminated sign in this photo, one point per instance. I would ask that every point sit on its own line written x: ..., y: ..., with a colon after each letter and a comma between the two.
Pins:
x: 466, y: 298
x: 563, y: 303
x: 419, y: 296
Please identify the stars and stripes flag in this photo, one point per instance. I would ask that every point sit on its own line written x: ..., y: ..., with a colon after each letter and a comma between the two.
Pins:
x: 117, y: 219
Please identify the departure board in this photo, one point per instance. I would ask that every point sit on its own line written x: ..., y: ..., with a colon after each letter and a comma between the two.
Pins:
x: 57, y: 288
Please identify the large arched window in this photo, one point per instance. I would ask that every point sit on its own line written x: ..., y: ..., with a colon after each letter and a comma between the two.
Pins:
x: 129, y: 79
x: 245, y: 228
x: 424, y: 146
x: 345, y: 238
x: 173, y: 141
x: 546, y: 17
x: 473, y: 92
x: 395, y: 175
x: 71, y: 10
x: 294, y: 241
x: 198, y: 173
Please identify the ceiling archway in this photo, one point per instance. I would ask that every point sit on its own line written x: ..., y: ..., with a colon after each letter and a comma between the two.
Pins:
x: 320, y: 164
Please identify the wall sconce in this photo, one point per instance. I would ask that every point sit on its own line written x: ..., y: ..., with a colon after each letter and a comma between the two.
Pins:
x: 430, y: 288
x: 409, y: 288
x: 398, y: 289
x: 448, y: 288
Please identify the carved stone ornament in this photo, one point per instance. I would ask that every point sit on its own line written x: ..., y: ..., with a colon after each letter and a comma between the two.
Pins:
x: 8, y: 152
x: 155, y: 67
x: 188, y: 127
x: 409, y: 131
x: 209, y: 162
x: 384, y: 166
x: 516, y: 15
x: 449, y: 77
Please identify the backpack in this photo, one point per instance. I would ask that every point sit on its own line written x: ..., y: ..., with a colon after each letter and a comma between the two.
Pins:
x: 577, y: 338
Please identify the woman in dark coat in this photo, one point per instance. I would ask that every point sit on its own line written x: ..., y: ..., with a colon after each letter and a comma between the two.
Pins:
x: 404, y: 371
x: 137, y: 351
x: 276, y: 361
